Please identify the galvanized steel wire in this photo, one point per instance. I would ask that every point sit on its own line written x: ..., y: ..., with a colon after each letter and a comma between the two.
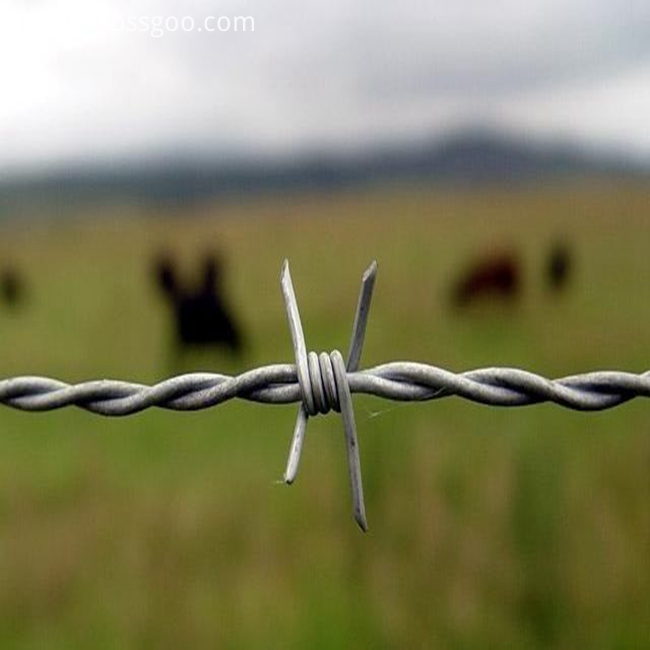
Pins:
x: 325, y: 382
x: 278, y: 384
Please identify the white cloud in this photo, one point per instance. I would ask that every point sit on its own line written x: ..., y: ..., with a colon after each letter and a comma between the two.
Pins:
x: 615, y: 109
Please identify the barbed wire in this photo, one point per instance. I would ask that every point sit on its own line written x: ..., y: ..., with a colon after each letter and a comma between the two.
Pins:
x: 278, y: 384
x: 324, y: 382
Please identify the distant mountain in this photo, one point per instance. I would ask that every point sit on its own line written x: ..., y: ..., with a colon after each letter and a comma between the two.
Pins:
x: 477, y: 156
x: 472, y: 157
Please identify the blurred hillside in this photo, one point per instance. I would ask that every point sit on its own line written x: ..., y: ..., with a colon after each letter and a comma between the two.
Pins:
x: 472, y: 157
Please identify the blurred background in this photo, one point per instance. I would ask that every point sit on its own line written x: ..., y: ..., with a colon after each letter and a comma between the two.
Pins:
x: 159, y: 160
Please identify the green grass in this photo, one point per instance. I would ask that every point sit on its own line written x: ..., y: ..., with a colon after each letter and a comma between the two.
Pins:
x: 488, y: 527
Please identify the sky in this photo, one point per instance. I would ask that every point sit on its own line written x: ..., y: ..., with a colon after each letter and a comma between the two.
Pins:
x: 94, y: 81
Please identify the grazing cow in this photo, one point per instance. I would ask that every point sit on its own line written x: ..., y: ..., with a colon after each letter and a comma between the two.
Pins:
x: 11, y: 287
x: 494, y: 276
x: 558, y: 266
x: 201, y: 316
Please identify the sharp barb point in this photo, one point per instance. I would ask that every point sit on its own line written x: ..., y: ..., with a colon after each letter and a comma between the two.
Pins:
x: 371, y: 271
x: 284, y: 273
x: 360, y: 518
x: 295, y: 451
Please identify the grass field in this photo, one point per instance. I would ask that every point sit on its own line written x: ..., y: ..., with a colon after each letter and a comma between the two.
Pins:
x: 488, y: 527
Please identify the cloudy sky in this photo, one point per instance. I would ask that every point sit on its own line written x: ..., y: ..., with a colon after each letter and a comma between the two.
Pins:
x: 77, y: 83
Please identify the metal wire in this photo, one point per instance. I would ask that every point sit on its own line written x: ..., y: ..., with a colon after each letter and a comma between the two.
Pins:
x: 324, y: 382
x: 278, y: 384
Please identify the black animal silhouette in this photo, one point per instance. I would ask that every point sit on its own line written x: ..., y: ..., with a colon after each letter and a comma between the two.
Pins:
x: 11, y: 287
x: 497, y: 275
x: 201, y: 316
x: 558, y: 266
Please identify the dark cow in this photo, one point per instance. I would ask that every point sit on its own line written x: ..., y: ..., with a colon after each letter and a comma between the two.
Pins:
x: 11, y: 287
x: 200, y: 313
x: 558, y: 266
x: 497, y: 275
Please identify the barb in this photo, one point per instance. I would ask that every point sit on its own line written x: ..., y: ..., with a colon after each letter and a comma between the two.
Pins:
x: 324, y: 382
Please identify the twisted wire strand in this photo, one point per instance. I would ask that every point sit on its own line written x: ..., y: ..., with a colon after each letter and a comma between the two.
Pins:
x: 278, y: 384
